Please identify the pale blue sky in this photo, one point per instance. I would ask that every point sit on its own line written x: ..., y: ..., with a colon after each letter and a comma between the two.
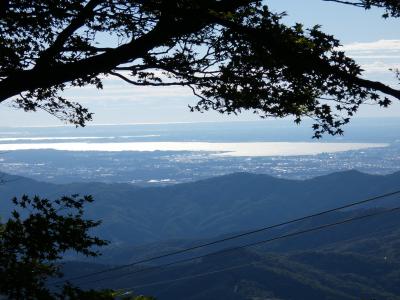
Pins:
x: 371, y: 40
x: 348, y: 23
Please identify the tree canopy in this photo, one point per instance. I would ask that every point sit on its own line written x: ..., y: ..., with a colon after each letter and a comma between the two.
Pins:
x: 33, y: 240
x: 234, y: 54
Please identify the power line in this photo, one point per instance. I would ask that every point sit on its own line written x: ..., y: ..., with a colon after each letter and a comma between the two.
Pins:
x: 244, y: 246
x: 192, y: 276
x: 149, y: 269
x: 153, y: 268
x: 254, y: 244
x: 228, y: 238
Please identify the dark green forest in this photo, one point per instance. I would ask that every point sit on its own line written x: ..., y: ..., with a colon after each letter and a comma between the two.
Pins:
x: 359, y: 260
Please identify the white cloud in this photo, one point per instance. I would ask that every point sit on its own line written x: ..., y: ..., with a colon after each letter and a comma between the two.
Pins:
x: 380, y: 45
x: 376, y: 57
x: 379, y: 67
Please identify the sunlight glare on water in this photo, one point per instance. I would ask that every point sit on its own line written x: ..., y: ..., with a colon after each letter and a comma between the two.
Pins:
x: 223, y: 149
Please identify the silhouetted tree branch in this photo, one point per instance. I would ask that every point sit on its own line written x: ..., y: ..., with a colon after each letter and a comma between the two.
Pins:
x: 392, y: 7
x: 235, y: 55
x: 34, y: 239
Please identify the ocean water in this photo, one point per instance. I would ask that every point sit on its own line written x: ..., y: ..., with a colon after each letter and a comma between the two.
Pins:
x: 205, y: 136
x: 368, y: 128
x: 250, y: 149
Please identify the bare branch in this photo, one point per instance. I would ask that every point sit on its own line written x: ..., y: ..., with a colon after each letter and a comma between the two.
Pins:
x: 147, y: 83
x: 358, y: 4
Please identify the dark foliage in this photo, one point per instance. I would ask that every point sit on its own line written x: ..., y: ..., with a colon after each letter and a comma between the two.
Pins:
x: 35, y: 238
x: 234, y: 54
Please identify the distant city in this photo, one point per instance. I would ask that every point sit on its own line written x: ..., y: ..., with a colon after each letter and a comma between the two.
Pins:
x: 169, y: 167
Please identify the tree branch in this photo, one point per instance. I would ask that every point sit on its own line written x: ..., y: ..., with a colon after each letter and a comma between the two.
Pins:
x: 358, y: 4
x: 102, y: 63
x: 377, y: 86
x: 182, y: 83
x: 325, y: 67
x: 162, y: 33
x: 75, y: 24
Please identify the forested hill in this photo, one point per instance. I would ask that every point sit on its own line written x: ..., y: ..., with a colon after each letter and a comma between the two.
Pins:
x: 358, y: 260
x: 207, y: 208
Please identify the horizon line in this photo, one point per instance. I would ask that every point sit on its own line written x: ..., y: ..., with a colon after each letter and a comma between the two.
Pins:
x: 180, y: 122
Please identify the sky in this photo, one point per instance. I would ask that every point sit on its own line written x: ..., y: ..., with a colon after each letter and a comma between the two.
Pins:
x: 371, y: 40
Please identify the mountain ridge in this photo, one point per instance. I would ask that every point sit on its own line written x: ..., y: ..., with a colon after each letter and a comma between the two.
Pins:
x: 210, y: 207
